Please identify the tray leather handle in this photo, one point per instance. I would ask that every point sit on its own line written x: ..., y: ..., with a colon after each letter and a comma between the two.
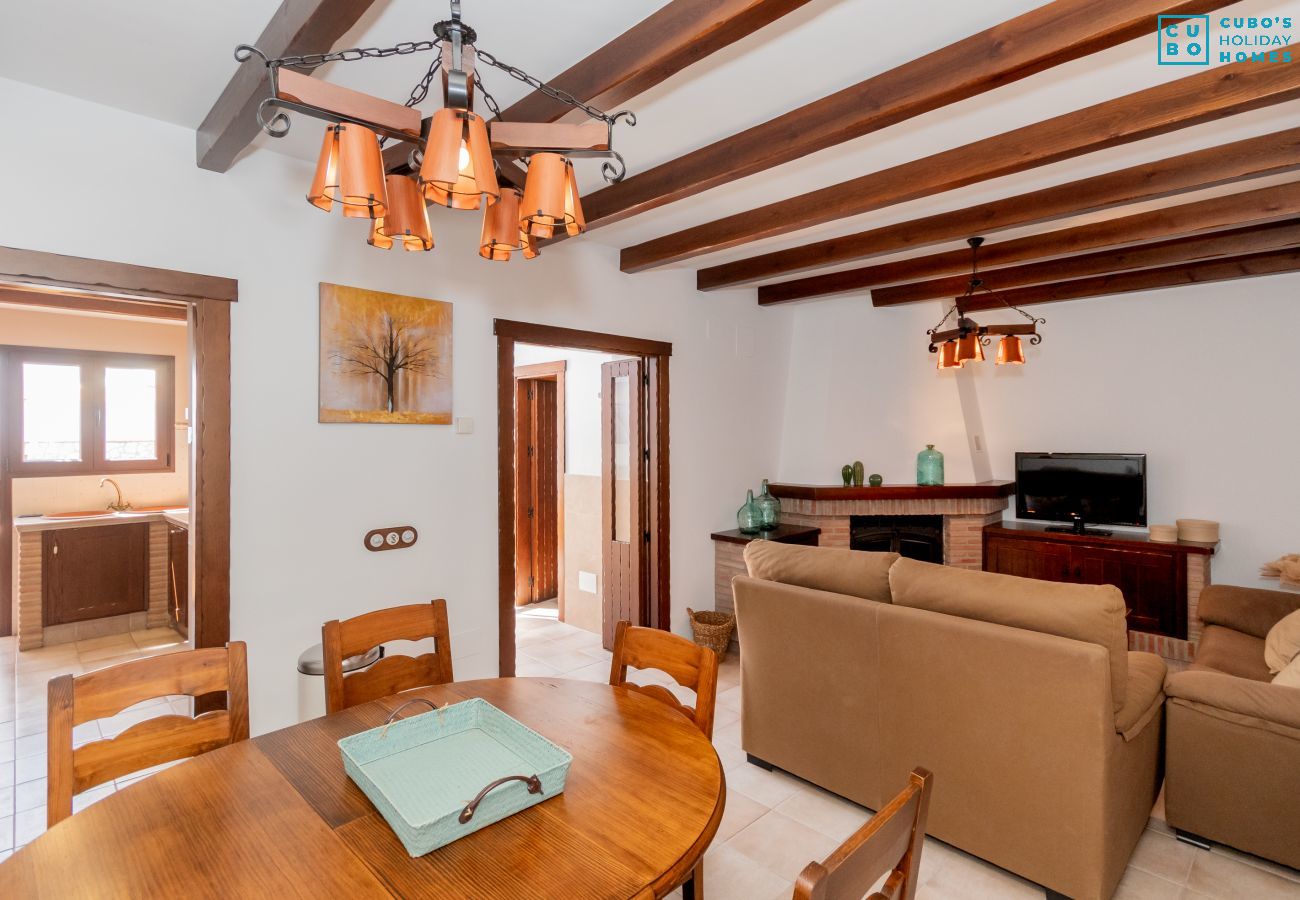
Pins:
x: 534, y: 787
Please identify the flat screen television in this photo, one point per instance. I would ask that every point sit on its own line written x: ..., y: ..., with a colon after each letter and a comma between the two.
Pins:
x: 1092, y: 488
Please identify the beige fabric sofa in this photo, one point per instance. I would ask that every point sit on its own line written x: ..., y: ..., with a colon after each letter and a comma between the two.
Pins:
x: 1042, y: 729
x: 1233, y: 746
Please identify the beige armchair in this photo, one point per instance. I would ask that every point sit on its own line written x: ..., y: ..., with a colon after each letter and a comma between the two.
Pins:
x: 1232, y: 754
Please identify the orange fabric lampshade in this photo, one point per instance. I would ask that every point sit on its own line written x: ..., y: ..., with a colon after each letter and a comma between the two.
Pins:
x: 551, y: 197
x: 948, y: 356
x: 457, y: 169
x: 1010, y: 351
x: 969, y: 349
x: 501, y: 234
x: 406, y: 220
x: 350, y: 171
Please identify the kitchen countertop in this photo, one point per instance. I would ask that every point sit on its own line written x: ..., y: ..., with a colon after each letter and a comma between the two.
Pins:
x: 179, y: 516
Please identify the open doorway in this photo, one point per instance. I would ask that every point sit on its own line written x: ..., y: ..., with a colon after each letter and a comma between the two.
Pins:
x: 582, y: 441
x: 114, y: 432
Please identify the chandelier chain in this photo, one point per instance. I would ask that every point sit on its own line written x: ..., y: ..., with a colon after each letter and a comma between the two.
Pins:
x: 488, y: 99
x: 352, y: 54
x: 554, y: 93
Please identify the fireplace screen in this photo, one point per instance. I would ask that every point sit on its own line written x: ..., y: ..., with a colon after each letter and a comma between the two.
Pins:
x: 916, y: 537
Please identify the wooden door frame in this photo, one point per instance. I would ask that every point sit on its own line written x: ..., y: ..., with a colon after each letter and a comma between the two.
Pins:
x: 554, y: 371
x: 207, y: 300
x: 656, y: 355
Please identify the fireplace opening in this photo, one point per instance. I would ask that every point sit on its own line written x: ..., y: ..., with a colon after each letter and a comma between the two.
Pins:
x: 916, y: 537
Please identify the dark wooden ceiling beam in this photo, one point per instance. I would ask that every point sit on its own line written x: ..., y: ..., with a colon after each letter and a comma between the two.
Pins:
x: 1234, y: 242
x: 1040, y: 39
x: 680, y: 33
x: 1204, y: 97
x: 298, y: 26
x: 1270, y: 154
x: 1270, y: 204
x: 1255, y: 265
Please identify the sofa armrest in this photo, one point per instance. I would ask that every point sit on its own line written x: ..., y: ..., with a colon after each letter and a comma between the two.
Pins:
x: 1252, y: 611
x: 1269, y: 704
x: 1143, y: 695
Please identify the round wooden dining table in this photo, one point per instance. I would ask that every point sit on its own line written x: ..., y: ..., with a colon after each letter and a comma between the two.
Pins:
x: 276, y: 816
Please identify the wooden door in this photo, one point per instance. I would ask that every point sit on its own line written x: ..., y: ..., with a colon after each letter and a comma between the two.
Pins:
x: 537, y: 508
x: 94, y: 572
x: 623, y: 496
x: 1149, y: 583
x: 1028, y: 559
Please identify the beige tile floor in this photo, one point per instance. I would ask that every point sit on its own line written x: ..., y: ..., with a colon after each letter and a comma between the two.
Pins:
x: 775, y: 824
x: 23, y: 721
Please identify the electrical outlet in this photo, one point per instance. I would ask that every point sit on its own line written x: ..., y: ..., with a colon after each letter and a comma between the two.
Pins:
x: 979, y: 444
x: 464, y: 425
x: 394, y: 538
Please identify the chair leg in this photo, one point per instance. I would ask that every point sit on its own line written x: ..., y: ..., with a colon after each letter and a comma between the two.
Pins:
x: 1194, y: 839
x: 693, y: 887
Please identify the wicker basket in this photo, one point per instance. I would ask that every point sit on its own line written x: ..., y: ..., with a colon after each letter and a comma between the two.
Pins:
x: 712, y: 630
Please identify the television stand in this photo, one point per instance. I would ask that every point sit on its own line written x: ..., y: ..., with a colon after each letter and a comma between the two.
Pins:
x: 1078, y: 529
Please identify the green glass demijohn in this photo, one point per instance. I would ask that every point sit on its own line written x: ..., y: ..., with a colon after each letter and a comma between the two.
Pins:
x: 929, y: 466
x: 769, y: 509
x: 748, y: 518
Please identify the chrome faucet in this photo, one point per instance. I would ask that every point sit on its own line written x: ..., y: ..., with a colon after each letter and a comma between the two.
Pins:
x: 119, y: 505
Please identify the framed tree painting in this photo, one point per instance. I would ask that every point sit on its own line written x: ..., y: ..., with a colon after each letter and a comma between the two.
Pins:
x: 384, y: 357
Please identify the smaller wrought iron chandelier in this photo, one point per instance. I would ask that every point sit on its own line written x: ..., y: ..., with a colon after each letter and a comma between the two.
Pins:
x: 966, y: 342
x: 454, y: 158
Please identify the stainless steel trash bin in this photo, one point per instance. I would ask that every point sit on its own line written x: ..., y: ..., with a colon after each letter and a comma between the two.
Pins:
x: 311, y: 678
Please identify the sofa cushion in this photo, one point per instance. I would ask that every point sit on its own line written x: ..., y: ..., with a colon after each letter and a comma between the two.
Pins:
x: 1283, y: 642
x: 857, y: 573
x: 1145, y: 695
x: 1232, y: 652
x: 1290, y: 676
x: 1083, y: 612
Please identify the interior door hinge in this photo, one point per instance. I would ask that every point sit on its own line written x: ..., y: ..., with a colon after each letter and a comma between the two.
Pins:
x: 531, y: 580
x: 531, y: 448
x: 645, y: 379
x: 530, y: 512
x: 647, y: 537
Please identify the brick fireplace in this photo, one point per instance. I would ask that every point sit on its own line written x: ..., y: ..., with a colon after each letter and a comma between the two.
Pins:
x: 964, y: 510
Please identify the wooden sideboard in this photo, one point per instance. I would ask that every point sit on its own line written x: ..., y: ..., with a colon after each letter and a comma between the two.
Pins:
x: 1152, y: 575
x: 729, y: 557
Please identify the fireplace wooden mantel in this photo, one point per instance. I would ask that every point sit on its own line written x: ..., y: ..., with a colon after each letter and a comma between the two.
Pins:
x: 979, y: 490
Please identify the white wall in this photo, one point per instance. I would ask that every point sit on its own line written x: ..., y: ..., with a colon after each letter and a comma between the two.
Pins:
x: 304, y: 493
x: 1202, y: 379
x: 862, y: 387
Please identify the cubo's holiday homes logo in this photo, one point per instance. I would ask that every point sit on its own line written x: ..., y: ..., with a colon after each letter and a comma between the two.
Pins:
x: 1184, y: 41
x: 1189, y: 41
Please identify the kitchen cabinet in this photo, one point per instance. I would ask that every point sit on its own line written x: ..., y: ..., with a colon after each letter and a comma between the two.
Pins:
x: 94, y: 572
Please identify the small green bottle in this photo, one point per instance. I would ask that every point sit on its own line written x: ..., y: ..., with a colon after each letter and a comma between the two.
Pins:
x: 748, y: 518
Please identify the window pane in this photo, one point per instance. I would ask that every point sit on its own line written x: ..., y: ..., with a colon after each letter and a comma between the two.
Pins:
x: 51, y: 413
x: 130, y: 414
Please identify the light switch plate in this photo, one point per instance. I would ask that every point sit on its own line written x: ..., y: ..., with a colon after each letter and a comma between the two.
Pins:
x: 464, y: 425
x: 587, y: 582
x: 397, y: 537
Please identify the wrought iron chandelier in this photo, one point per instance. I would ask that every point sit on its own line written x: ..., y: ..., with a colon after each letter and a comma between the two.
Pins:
x: 455, y: 157
x: 966, y: 342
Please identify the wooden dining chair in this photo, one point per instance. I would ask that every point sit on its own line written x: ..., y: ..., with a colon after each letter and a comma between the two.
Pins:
x: 391, y: 674
x: 888, y: 844
x: 98, y: 695
x: 688, y: 664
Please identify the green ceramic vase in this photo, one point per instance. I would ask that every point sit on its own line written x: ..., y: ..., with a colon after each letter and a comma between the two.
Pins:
x: 875, y: 481
x: 847, y: 474
x: 859, y: 473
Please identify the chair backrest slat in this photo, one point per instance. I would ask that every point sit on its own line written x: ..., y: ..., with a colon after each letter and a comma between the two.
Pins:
x: 75, y: 700
x: 890, y: 843
x: 351, y: 637
x: 688, y: 664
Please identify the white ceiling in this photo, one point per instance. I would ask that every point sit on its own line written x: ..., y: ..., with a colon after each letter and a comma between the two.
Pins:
x: 170, y: 60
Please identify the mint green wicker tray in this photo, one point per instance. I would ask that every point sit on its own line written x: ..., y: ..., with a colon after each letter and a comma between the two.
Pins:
x: 441, y: 775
